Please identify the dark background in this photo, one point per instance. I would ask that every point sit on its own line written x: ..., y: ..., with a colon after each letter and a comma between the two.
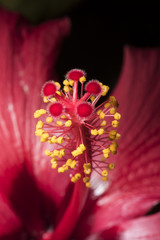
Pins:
x: 101, y: 29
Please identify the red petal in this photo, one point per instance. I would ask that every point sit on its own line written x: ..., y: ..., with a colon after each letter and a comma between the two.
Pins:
x: 28, y: 56
x: 9, y: 222
x: 138, y: 164
x: 135, y: 185
x: 142, y: 228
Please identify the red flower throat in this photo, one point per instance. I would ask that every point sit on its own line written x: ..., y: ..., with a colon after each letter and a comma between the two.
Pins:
x: 83, y: 135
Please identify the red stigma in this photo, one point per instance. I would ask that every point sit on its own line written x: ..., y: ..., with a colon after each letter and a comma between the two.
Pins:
x: 56, y: 109
x: 49, y: 89
x: 75, y: 74
x: 93, y: 87
x: 84, y: 110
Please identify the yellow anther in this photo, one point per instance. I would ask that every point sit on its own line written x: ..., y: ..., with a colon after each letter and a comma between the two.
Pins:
x: 73, y: 179
x: 59, y: 123
x: 71, y: 82
x: 112, y: 110
x: 77, y: 176
x: 115, y: 143
x: 104, y: 178
x: 117, y: 116
x: 103, y: 123
x: 45, y: 99
x: 111, y: 166
x: 49, y: 119
x: 66, y: 89
x: 88, y: 185
x: 65, y: 168
x: 44, y: 137
x: 73, y: 164
x: 86, y: 165
x: 60, y: 169
x: 42, y: 111
x: 39, y: 112
x: 106, y: 150
x: 53, y: 139
x: 79, y: 150
x: 100, y: 131
x: 74, y: 153
x: 82, y: 79
x: 112, y: 134
x: 113, y: 101
x: 115, y: 123
x: 39, y: 132
x: 60, y: 140
x: 58, y: 85
x: 55, y: 153
x: 62, y: 152
x: 104, y: 173
x: 118, y: 136
x: 102, y: 115
x: 94, y: 132
x: 82, y: 147
x: 103, y: 159
x: 39, y: 125
x: 92, y: 98
x: 68, y: 123
x: 105, y: 90
x: 49, y: 141
x: 58, y: 92
x: 87, y: 170
x: 63, y: 116
x: 53, y: 99
x: 68, y: 162
x: 113, y: 148
x: 47, y: 152
x: 54, y: 165
x: 66, y: 82
x: 106, y: 155
x: 86, y: 179
x: 53, y: 160
x: 99, y: 111
x: 106, y: 105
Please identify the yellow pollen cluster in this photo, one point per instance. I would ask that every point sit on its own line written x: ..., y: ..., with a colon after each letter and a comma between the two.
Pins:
x: 76, y: 177
x: 39, y: 113
x: 49, y: 119
x: 106, y: 152
x: 97, y: 132
x: 68, y: 123
x: 55, y: 139
x: 105, y: 90
x: 79, y: 150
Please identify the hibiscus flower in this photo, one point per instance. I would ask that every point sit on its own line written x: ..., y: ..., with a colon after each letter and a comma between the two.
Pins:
x: 38, y: 203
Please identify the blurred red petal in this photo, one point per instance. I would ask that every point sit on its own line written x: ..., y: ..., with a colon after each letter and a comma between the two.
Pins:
x: 9, y: 222
x: 141, y: 229
x: 28, y: 56
x: 138, y: 164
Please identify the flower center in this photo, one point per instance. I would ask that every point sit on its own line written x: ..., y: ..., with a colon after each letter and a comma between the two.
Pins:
x: 81, y: 135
